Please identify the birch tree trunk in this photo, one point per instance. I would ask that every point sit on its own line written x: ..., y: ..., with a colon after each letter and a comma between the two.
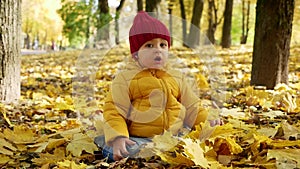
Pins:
x: 10, y: 33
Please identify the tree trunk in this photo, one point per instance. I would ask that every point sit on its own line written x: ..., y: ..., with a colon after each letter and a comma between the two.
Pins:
x: 226, y: 31
x: 245, y: 21
x: 87, y: 32
x: 170, y: 8
x: 194, y: 34
x: 118, y: 12
x: 152, y: 7
x: 10, y: 28
x: 140, y: 5
x: 273, y: 28
x: 213, y: 20
x: 211, y: 23
x: 183, y: 17
x: 103, y: 20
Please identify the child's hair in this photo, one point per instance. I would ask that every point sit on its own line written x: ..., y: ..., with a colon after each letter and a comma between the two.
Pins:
x: 146, y: 28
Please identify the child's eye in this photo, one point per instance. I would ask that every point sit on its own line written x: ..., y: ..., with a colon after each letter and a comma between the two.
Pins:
x: 163, y: 45
x: 149, y: 45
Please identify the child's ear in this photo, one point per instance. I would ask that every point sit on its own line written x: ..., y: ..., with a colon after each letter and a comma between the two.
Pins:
x: 136, y: 56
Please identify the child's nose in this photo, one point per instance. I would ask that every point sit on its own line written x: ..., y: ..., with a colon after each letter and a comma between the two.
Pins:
x: 158, y: 47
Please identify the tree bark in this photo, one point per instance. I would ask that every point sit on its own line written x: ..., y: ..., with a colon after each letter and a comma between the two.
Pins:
x: 273, y: 28
x: 152, y: 7
x: 194, y: 34
x: 226, y: 31
x: 140, y: 5
x: 118, y: 12
x: 211, y: 23
x: 103, y: 20
x: 10, y: 28
x: 245, y: 21
x: 183, y: 17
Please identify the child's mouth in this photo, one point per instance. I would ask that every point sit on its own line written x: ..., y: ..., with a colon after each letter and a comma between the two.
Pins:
x: 158, y: 59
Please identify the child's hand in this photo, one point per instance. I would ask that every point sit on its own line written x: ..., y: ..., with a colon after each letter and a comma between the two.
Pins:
x: 119, y: 147
x: 216, y: 122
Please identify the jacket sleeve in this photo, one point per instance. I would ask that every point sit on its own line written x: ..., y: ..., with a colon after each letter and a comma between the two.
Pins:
x: 115, y: 111
x: 195, y: 111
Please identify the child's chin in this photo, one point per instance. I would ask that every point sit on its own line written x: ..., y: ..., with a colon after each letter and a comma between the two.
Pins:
x: 157, y: 67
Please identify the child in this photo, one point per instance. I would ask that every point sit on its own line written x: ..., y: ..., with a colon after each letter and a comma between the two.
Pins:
x: 148, y: 98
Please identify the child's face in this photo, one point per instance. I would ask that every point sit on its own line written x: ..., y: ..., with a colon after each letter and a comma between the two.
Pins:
x: 153, y: 54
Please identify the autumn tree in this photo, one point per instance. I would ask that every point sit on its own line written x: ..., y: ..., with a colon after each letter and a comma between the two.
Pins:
x: 183, y: 18
x: 273, y: 28
x: 194, y: 33
x: 245, y: 21
x: 118, y: 12
x: 41, y: 23
x: 226, y: 31
x: 140, y: 5
x: 10, y: 21
x: 213, y: 20
x: 152, y: 6
x: 103, y: 19
x: 77, y: 19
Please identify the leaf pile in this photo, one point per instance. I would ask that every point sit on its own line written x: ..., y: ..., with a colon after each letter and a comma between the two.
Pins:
x: 59, y: 114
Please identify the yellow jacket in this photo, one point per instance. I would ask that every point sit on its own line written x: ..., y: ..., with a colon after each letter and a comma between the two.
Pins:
x: 146, y: 102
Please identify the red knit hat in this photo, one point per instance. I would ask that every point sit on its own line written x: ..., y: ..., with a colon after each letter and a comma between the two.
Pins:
x: 146, y: 28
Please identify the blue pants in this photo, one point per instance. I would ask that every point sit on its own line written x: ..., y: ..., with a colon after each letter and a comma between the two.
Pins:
x: 107, y: 151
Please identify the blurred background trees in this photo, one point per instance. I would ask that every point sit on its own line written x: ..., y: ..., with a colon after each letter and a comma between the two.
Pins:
x: 41, y: 25
x: 62, y: 24
x: 76, y: 23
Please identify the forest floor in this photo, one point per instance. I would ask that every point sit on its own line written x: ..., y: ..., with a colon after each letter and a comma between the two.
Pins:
x: 60, y: 112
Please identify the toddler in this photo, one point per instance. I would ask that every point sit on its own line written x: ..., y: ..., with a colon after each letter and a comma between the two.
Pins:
x: 148, y: 97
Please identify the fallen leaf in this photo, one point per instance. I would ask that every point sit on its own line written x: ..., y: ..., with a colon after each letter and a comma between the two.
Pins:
x: 164, y: 142
x: 285, y: 154
x: 4, y: 159
x: 81, y: 142
x: 20, y: 135
x: 193, y: 150
x: 67, y: 164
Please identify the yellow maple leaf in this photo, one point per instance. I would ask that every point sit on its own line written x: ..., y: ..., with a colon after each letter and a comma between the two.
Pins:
x: 52, y: 144
x: 224, y: 130
x: 202, y: 81
x: 67, y: 164
x: 195, y: 134
x: 259, y: 138
x: 230, y: 144
x: 164, y: 142
x: 4, y: 159
x: 79, y: 143
x: 193, y: 150
x: 44, y: 158
x: 284, y: 143
x: 6, y: 147
x: 20, y: 135
x: 233, y: 146
x: 176, y: 158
